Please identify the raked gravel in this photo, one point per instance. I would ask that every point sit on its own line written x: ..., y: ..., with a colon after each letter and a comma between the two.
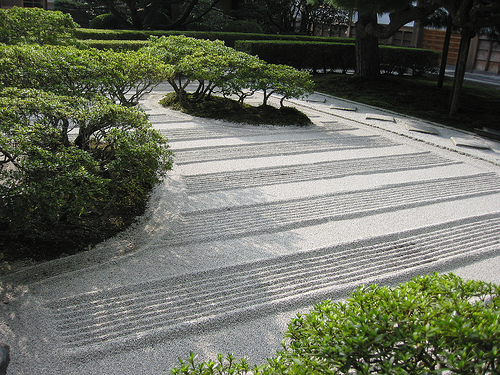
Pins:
x: 253, y: 225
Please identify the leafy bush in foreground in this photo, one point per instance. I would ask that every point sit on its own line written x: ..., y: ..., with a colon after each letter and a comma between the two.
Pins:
x: 437, y: 324
x: 68, y: 163
x: 75, y: 168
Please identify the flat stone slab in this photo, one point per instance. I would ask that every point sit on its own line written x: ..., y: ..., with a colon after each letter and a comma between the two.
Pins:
x: 422, y: 129
x: 319, y: 100
x: 352, y: 109
x: 470, y: 142
x: 370, y: 116
x: 488, y: 133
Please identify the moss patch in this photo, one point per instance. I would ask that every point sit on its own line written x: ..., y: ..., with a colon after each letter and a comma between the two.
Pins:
x: 230, y: 110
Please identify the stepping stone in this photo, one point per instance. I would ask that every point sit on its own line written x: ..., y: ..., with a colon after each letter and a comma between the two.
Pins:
x: 370, y: 116
x: 470, y: 142
x: 488, y: 133
x: 422, y: 129
x: 352, y: 109
x: 317, y: 100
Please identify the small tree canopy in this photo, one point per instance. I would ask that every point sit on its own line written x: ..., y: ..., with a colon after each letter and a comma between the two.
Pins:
x: 218, y: 67
x: 123, y: 77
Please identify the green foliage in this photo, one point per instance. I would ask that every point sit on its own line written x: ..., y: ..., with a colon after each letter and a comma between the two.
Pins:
x: 218, y: 67
x: 35, y: 25
x: 223, y: 365
x: 402, y: 60
x: 431, y: 325
x: 339, y: 56
x: 74, y: 166
x: 121, y: 76
x: 105, y: 21
x: 127, y: 76
x: 116, y: 45
x: 242, y: 26
x: 303, y: 55
x: 64, y: 159
x: 229, y: 38
x: 285, y: 81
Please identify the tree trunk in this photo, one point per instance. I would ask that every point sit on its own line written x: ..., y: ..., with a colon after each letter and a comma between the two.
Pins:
x: 446, y: 48
x: 460, y: 70
x: 367, y: 51
x: 135, y: 14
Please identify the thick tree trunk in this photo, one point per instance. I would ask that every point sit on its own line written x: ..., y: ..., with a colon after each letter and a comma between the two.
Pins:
x: 367, y: 51
x: 460, y: 70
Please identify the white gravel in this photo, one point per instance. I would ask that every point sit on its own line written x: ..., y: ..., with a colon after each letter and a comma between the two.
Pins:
x: 145, y: 296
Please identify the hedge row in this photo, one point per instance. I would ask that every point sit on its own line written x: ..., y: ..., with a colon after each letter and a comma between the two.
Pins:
x: 116, y: 45
x: 302, y: 55
x: 402, y: 60
x: 229, y: 38
x: 338, y: 56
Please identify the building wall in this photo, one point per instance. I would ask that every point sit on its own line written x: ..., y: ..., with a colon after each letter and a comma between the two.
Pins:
x: 6, y: 4
x: 45, y: 4
x: 486, y: 55
x: 434, y: 40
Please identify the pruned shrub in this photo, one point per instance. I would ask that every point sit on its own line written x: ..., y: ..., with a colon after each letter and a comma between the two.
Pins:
x: 324, y: 56
x: 438, y: 324
x: 105, y: 21
x: 229, y: 38
x: 123, y: 77
x: 69, y: 161
x: 218, y: 67
x: 303, y: 55
x: 75, y: 167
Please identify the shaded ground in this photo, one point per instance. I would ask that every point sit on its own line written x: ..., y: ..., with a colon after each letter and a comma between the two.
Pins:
x: 419, y: 97
x: 230, y: 110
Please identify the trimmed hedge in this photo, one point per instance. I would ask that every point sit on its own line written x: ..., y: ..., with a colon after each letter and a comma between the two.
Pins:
x: 229, y: 38
x: 310, y: 55
x: 335, y: 56
x: 402, y: 60
x: 302, y: 55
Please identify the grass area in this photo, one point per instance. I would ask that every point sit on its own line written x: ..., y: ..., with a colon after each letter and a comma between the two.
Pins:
x: 418, y: 97
x: 230, y: 110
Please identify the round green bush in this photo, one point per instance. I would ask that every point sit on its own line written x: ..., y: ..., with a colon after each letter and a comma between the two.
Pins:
x: 73, y: 171
x: 105, y: 21
x: 437, y: 324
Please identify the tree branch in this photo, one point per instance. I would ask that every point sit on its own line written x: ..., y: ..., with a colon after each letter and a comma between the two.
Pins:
x: 403, y: 16
x: 204, y: 13
x: 8, y: 158
x: 183, y: 17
